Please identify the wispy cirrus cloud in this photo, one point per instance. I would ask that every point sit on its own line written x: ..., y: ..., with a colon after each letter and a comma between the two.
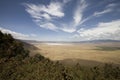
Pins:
x: 49, y: 26
x: 66, y: 1
x: 77, y: 17
x: 78, y: 14
x: 112, y: 5
x: 16, y: 34
x: 108, y: 9
x: 43, y: 15
x: 68, y: 28
x: 54, y: 9
x: 103, y: 12
x: 104, y: 30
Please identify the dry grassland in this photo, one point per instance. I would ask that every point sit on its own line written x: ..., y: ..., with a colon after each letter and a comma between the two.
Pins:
x: 81, y: 51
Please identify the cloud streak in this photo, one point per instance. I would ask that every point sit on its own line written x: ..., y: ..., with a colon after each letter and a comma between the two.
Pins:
x: 108, y: 9
x: 44, y: 15
x: 77, y: 17
x: 78, y: 14
x: 49, y: 26
x: 102, y: 12
x: 54, y: 9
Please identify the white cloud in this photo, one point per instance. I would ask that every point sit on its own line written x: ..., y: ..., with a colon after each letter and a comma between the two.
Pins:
x: 108, y: 8
x: 102, y: 12
x: 54, y: 9
x: 66, y: 1
x: 77, y: 17
x: 104, y: 30
x: 16, y: 34
x: 111, y: 5
x: 44, y: 15
x: 69, y: 30
x: 49, y: 26
x: 78, y: 14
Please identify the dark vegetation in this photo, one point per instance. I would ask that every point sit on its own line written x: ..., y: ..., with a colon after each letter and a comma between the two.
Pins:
x: 107, y: 48
x: 16, y: 64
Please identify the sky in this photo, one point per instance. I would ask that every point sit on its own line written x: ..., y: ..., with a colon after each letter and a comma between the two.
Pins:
x: 61, y: 20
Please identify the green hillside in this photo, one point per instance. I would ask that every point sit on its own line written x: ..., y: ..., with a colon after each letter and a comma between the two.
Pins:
x: 16, y: 64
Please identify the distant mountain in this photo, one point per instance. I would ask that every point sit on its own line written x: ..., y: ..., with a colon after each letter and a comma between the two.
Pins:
x: 99, y: 41
x: 88, y: 41
x: 30, y: 41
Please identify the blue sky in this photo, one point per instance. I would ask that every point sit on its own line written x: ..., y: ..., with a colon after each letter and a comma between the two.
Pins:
x: 61, y: 20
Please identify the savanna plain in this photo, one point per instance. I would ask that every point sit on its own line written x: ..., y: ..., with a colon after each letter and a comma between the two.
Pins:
x: 82, y: 53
